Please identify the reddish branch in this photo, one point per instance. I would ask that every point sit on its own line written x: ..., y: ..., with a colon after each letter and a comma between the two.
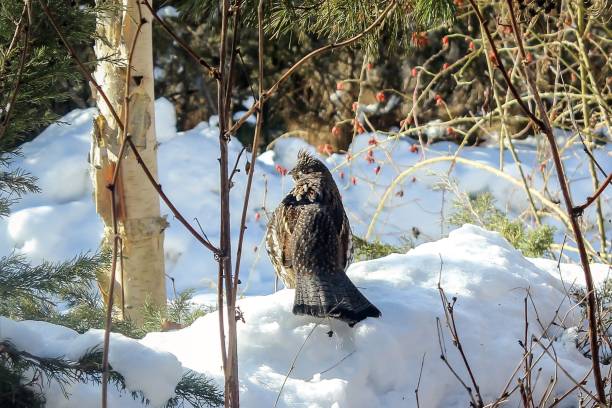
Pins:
x: 546, y: 127
x: 229, y: 352
x: 256, y: 136
x: 117, y: 244
x: 234, y: 51
x: 578, y: 210
x: 108, y: 322
x: 82, y: 68
x: 214, y: 72
x: 177, y: 214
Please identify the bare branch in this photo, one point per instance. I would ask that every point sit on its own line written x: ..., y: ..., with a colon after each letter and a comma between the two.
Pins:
x: 214, y: 72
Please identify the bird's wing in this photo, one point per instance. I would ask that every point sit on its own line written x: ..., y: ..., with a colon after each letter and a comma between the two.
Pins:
x: 279, y: 238
x: 345, y: 243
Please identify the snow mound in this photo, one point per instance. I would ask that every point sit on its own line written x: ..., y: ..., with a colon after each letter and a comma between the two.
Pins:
x: 151, y: 371
x: 377, y: 363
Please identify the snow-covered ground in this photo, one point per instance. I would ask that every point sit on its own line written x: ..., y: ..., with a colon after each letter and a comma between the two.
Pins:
x: 375, y: 364
x: 61, y: 221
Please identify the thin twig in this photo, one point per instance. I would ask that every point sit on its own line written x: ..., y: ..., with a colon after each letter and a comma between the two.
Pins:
x: 416, y: 390
x: 22, y: 61
x: 108, y: 322
x: 294, y: 360
x: 236, y: 169
x: 81, y: 66
x: 167, y: 201
x: 578, y: 210
x: 256, y: 137
x: 214, y: 72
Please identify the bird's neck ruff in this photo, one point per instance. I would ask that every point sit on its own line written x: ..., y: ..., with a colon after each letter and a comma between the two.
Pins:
x: 319, y: 188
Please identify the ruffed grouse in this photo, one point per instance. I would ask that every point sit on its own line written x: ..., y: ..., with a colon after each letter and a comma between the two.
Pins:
x: 309, y: 243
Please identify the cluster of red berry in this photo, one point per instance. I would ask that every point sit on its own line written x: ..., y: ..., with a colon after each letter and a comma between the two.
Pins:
x: 281, y: 170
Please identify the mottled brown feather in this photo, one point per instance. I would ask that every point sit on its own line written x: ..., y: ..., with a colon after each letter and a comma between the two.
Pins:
x: 309, y: 241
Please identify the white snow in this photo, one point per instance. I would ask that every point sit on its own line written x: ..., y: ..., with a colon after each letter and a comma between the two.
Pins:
x: 490, y: 280
x: 61, y: 221
x: 145, y: 369
x: 375, y: 364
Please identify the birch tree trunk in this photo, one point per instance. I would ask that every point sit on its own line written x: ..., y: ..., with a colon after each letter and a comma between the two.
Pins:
x: 141, y: 275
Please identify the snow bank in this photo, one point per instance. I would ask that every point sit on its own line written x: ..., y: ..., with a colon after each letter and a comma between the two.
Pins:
x: 61, y: 221
x: 377, y: 363
x: 151, y: 371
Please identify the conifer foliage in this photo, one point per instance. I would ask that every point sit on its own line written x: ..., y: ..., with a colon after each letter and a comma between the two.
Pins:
x: 36, y: 73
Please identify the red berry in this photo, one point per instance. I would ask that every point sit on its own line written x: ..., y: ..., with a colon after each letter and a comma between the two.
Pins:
x: 377, y: 170
x: 354, y: 180
x: 472, y: 46
x: 370, y: 157
x: 414, y: 72
x: 359, y: 128
x: 445, y: 41
x: 257, y: 216
x: 370, y: 66
x: 450, y: 131
x: 414, y: 148
x: 340, y: 86
x: 280, y: 170
x: 355, y: 106
x: 445, y: 66
x: 336, y: 131
x: 529, y: 58
x: 380, y: 96
x: 439, y: 100
x: 372, y: 142
x: 341, y: 174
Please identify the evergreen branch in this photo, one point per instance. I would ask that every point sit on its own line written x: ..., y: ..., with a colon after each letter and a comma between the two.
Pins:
x: 274, y: 88
x: 80, y: 64
x: 193, y: 388
x: 22, y: 62
x: 196, y: 390
x: 20, y: 280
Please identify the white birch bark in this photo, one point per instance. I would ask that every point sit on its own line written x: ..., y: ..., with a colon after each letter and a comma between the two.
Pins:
x: 140, y: 274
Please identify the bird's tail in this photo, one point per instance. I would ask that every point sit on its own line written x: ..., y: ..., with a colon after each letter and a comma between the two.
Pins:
x: 331, y: 295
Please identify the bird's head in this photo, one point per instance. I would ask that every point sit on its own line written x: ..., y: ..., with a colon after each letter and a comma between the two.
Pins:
x: 308, y: 166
